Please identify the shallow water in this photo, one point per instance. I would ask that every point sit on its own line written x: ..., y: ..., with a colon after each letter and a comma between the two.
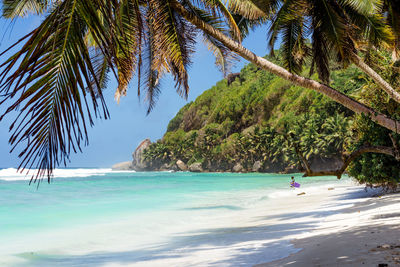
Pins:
x: 95, y: 217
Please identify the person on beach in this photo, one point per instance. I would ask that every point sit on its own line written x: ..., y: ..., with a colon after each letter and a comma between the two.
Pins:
x: 292, y: 182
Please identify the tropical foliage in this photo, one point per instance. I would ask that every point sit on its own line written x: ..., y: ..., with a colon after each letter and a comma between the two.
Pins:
x: 253, y: 119
x: 57, y: 77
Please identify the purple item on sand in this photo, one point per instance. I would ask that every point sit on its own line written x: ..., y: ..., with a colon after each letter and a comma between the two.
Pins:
x: 297, y: 185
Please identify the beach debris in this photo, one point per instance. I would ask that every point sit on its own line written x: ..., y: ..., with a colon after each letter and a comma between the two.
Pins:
x: 385, y: 246
x: 331, y: 188
x: 383, y: 265
x: 302, y: 193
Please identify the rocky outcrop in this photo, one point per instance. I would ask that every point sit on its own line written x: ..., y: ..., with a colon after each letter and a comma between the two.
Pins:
x: 230, y: 78
x: 238, y: 167
x: 138, y: 163
x: 257, y: 166
x: 321, y: 164
x: 181, y: 165
x: 196, y: 167
x: 122, y: 166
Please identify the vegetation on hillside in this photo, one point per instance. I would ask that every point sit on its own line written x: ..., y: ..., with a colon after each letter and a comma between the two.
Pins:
x: 261, y: 117
x: 55, y: 74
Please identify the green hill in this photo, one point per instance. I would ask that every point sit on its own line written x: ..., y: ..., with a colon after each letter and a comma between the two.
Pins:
x: 257, y: 122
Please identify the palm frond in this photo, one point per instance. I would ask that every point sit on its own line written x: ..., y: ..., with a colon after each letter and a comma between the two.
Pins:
x: 149, y: 69
x: 393, y: 20
x: 21, y: 8
x: 369, y: 25
x: 51, y: 87
x: 174, y: 40
x: 131, y: 35
x: 253, y: 9
x: 294, y: 50
x: 101, y: 70
x: 365, y: 7
x: 321, y: 54
x: 289, y: 22
x: 247, y: 25
x: 329, y: 20
x: 224, y: 58
x: 218, y: 5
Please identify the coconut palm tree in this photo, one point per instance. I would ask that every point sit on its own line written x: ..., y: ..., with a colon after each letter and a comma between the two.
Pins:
x: 337, y: 30
x: 263, y: 63
x: 57, y: 77
x: 64, y: 64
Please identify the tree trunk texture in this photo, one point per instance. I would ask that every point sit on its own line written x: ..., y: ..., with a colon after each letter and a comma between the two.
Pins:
x: 261, y: 62
x: 359, y: 62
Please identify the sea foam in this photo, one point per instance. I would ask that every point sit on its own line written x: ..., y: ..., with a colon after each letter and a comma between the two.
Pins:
x: 12, y: 174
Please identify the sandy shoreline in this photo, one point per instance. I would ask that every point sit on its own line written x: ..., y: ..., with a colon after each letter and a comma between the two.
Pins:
x: 366, y: 234
x: 249, y: 223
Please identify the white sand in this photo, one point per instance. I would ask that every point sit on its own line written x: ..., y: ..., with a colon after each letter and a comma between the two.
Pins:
x: 323, y: 227
x: 364, y: 234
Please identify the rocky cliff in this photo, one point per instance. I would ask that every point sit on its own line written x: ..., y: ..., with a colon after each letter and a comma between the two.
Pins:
x: 138, y: 163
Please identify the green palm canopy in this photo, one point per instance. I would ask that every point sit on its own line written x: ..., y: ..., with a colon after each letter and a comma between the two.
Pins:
x: 57, y: 77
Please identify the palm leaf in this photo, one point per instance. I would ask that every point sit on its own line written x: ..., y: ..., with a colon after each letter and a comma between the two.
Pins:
x: 224, y: 58
x: 253, y: 9
x: 131, y: 34
x: 289, y: 22
x: 51, y: 87
x: 21, y: 8
x: 393, y: 19
x: 218, y: 5
x: 174, y: 40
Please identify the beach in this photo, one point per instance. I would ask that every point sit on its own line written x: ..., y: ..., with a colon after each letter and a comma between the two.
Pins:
x: 366, y: 234
x: 103, y: 218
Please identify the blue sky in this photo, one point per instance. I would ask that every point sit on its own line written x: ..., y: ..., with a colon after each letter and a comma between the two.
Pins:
x: 114, y: 140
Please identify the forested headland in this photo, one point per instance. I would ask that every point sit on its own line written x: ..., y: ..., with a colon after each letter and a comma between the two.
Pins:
x: 256, y: 121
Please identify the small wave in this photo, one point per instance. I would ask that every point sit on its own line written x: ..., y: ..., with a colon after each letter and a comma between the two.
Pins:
x: 228, y: 207
x: 12, y: 174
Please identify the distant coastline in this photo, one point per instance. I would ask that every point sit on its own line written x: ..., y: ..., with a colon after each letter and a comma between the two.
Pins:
x: 140, y: 163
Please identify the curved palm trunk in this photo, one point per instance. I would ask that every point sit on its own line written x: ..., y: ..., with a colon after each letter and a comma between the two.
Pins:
x: 376, y: 77
x: 261, y: 62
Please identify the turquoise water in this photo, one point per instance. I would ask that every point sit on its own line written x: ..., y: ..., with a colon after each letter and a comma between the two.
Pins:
x: 68, y: 221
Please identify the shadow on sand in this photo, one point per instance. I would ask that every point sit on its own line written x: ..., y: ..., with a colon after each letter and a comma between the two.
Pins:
x: 216, y: 239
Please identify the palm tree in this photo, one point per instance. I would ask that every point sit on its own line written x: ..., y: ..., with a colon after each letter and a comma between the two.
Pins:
x: 337, y: 132
x: 265, y: 64
x: 64, y: 63
x: 338, y: 30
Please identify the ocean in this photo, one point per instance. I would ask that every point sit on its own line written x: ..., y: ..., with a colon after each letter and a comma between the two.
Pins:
x: 97, y: 217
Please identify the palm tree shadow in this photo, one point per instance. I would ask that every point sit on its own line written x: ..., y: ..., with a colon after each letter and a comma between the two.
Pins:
x: 180, y: 246
x: 206, y: 240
